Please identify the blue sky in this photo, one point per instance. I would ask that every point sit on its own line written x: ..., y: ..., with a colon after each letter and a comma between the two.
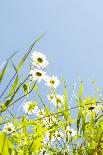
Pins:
x: 73, y: 40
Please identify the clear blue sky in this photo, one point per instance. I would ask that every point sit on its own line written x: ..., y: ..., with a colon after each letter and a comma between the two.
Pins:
x: 74, y: 34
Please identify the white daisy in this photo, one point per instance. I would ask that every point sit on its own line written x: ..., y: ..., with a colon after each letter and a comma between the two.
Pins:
x: 56, y: 99
x: 70, y: 131
x: 52, y: 81
x: 39, y: 59
x: 57, y: 135
x: 44, y: 151
x: 37, y: 75
x: 42, y: 113
x: 9, y: 128
x: 51, y: 98
x: 59, y: 99
x: 39, y: 112
x: 94, y: 109
x: 49, y: 121
x: 29, y: 107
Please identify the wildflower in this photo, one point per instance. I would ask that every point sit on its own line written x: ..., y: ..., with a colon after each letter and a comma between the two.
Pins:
x: 49, y: 121
x: 56, y: 99
x: 59, y: 99
x: 51, y: 98
x: 9, y: 128
x: 94, y: 109
x: 44, y: 151
x: 39, y: 112
x: 70, y: 131
x: 52, y: 81
x: 39, y: 60
x: 29, y: 107
x: 42, y: 113
x: 37, y: 75
x: 57, y: 135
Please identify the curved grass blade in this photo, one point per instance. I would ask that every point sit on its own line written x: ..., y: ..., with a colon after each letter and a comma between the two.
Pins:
x: 27, y: 53
x: 21, y: 63
x: 5, y: 67
x: 15, y: 83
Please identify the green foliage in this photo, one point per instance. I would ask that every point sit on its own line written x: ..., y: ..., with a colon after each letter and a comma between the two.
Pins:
x: 6, y: 147
x: 41, y: 126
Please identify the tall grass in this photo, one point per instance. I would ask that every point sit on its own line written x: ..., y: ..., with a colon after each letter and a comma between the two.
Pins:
x: 48, y: 127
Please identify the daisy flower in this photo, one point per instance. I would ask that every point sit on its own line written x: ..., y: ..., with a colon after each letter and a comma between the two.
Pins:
x: 51, y: 97
x: 59, y: 99
x: 57, y: 135
x: 56, y: 99
x: 39, y: 112
x: 37, y: 75
x: 29, y: 107
x: 52, y: 81
x: 49, y: 121
x: 94, y: 108
x: 9, y: 128
x: 71, y: 132
x: 39, y: 60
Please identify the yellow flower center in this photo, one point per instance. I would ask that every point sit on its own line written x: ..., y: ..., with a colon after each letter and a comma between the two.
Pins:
x: 91, y: 108
x: 38, y: 74
x: 9, y: 129
x: 31, y: 107
x: 52, y: 81
x: 51, y: 97
x: 58, y: 100
x: 40, y: 60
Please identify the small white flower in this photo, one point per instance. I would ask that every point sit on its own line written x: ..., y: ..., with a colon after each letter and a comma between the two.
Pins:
x: 37, y: 75
x: 59, y: 99
x: 57, y: 135
x: 71, y: 132
x: 52, y: 81
x: 39, y: 60
x: 39, y: 112
x: 56, y: 99
x: 51, y: 97
x: 94, y: 109
x: 42, y: 113
x: 49, y: 121
x: 9, y: 128
x: 43, y: 151
x: 29, y: 107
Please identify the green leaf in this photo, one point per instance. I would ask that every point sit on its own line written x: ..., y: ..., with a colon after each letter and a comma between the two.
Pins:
x: 79, y: 118
x: 65, y: 95
x: 13, y: 87
x: 6, y: 147
x: 3, y: 72
x: 5, y: 67
x: 80, y: 93
x: 25, y: 86
x: 27, y: 53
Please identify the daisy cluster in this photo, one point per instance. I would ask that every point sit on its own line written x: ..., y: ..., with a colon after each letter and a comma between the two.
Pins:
x: 38, y: 74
